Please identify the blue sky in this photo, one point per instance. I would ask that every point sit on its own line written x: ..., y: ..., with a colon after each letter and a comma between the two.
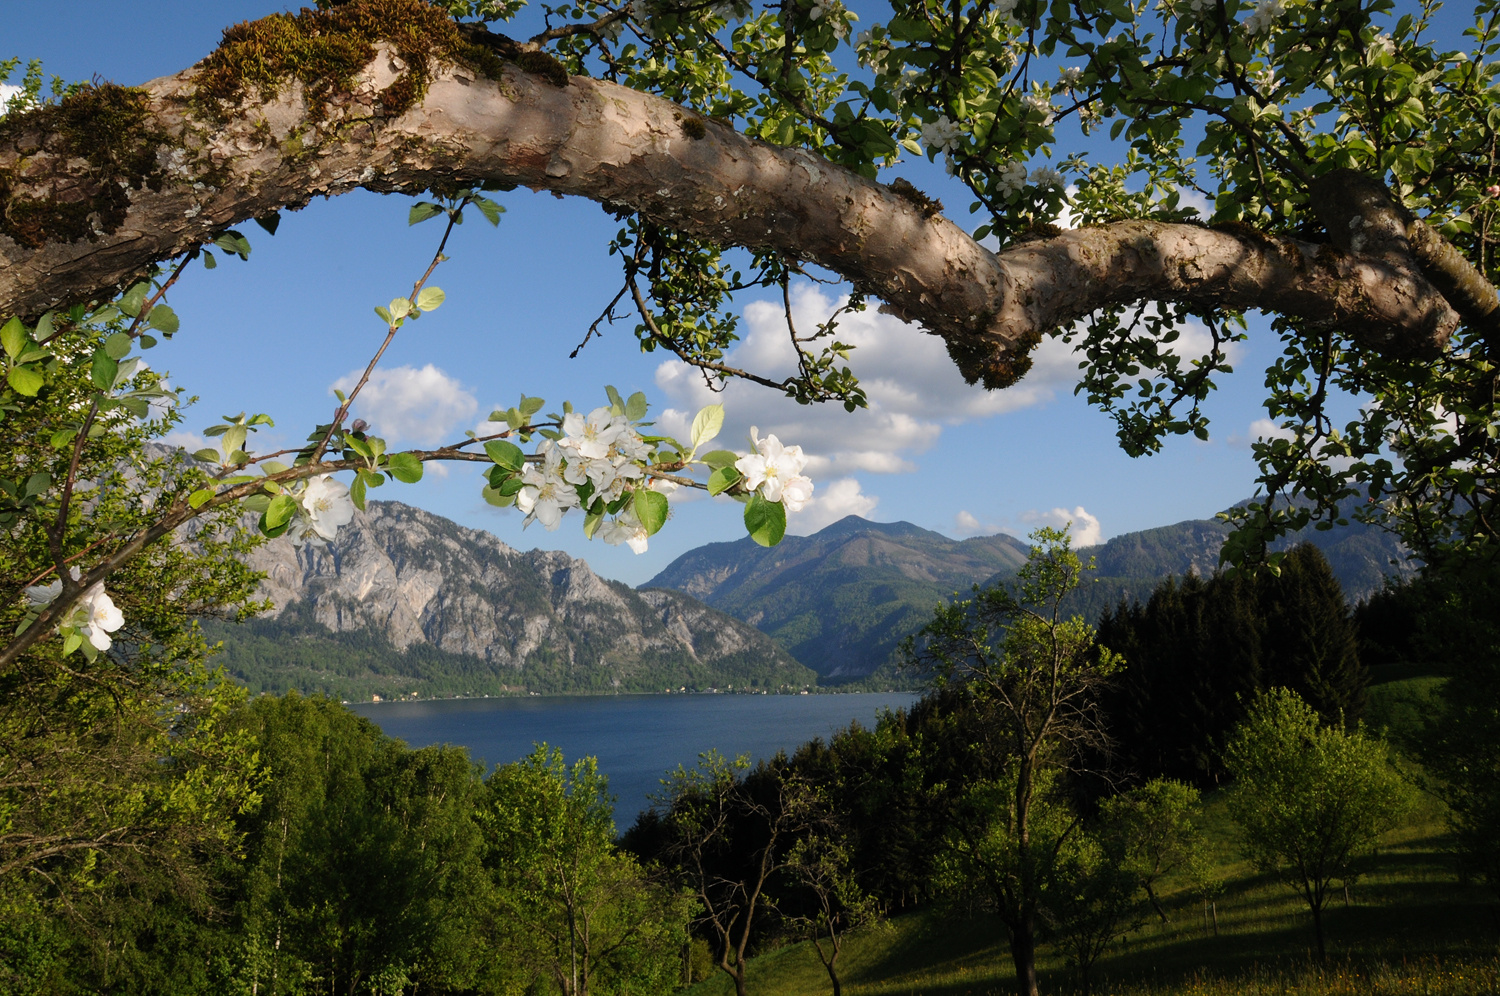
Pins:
x: 274, y: 334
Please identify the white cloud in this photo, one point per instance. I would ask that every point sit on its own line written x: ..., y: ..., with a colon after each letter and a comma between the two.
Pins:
x: 830, y: 503
x: 410, y: 405
x: 190, y: 441
x: 7, y: 91
x: 1085, y: 527
x: 1261, y: 428
x: 966, y: 524
x: 913, y: 387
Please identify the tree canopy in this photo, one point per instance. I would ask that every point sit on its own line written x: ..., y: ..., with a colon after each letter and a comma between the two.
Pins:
x: 1340, y: 153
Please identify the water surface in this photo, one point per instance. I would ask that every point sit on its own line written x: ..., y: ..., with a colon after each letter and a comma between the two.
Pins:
x: 637, y: 738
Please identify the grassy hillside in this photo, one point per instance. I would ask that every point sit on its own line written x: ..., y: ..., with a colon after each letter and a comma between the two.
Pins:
x: 1409, y: 926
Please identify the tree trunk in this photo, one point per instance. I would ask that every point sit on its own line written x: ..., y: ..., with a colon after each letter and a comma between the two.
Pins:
x: 73, y: 225
x: 1023, y: 953
x: 1155, y: 903
x: 1317, y: 912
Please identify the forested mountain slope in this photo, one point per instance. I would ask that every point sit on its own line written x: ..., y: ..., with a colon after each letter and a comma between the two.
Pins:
x: 842, y: 599
x: 404, y: 600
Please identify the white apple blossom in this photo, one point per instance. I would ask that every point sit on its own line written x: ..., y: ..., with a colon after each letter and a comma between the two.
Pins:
x: 1265, y: 15
x: 625, y: 528
x: 942, y: 135
x: 773, y: 467
x: 325, y: 506
x: 1041, y: 103
x: 1070, y: 76
x: 1046, y: 176
x: 544, y: 494
x: 1382, y: 44
x: 42, y: 595
x: 94, y: 617
x: 590, y: 436
x: 796, y: 492
x: 1012, y: 178
x: 908, y: 79
x: 1005, y: 12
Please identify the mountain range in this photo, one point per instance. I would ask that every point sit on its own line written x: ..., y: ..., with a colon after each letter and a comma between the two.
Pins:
x: 842, y: 599
x: 404, y: 601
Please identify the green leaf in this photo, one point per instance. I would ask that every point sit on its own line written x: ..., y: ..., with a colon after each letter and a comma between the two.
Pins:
x: 43, y: 330
x: 232, y: 241
x: 722, y: 480
x: 147, y: 341
x: 62, y: 437
x: 26, y: 380
x: 131, y: 302
x: 270, y: 222
x: 164, y: 320
x: 430, y: 298
x: 405, y: 468
x: 635, y: 407
x: 651, y: 508
x: 72, y: 642
x: 117, y: 346
x: 494, y: 497
x: 765, y: 521
x: 357, y: 492
x: 234, y: 439
x: 591, y: 521
x: 511, y: 486
x: 279, y: 512
x: 256, y: 503
x: 200, y: 497
x: 37, y: 483
x: 209, y: 262
x: 617, y: 404
x: 489, y: 209
x: 421, y: 211
x: 13, y: 336
x: 707, y: 423
x: 207, y: 456
x: 720, y: 458
x: 385, y: 315
x: 530, y: 406
x: 507, y: 455
x: 102, y: 371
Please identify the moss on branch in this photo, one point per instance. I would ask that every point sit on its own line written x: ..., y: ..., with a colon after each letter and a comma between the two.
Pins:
x: 44, y: 197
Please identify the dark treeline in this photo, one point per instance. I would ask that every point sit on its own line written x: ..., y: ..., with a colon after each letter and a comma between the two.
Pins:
x: 1199, y: 650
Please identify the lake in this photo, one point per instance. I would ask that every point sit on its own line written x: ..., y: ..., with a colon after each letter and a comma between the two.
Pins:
x: 637, y: 738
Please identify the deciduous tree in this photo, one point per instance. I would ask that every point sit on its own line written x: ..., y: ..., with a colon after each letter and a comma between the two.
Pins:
x: 1039, y: 674
x: 1309, y: 798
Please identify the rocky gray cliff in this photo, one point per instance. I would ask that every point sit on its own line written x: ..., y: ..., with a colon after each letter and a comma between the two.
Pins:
x: 443, y: 598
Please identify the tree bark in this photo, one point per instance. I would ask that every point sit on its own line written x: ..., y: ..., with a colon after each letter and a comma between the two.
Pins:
x: 195, y: 176
x: 1023, y: 955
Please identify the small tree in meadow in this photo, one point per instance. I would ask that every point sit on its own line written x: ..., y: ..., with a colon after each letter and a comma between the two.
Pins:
x: 1039, y: 672
x: 1309, y: 799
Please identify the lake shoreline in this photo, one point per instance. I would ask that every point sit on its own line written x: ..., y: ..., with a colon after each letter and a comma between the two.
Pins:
x: 637, y: 737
